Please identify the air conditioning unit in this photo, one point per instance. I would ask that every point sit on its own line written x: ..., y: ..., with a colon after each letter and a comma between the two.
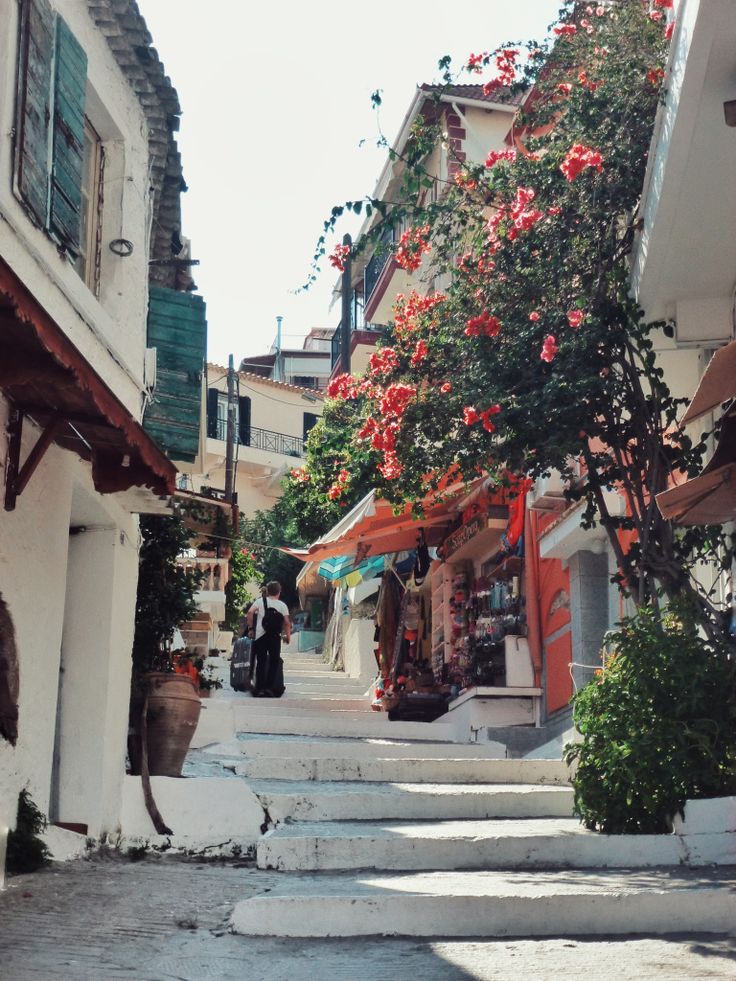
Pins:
x: 548, y: 493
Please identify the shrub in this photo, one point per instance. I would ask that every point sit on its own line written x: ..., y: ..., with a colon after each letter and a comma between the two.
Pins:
x: 658, y: 726
x: 27, y: 851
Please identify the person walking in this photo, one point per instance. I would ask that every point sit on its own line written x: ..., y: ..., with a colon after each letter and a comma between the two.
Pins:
x: 268, y: 619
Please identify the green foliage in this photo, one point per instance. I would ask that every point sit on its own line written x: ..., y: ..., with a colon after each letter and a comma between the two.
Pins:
x: 658, y: 726
x: 260, y: 535
x: 27, y: 851
x: 237, y: 594
x: 329, y: 448
x: 166, y: 591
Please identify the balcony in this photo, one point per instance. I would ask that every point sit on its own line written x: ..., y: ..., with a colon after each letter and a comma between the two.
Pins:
x: 265, y: 439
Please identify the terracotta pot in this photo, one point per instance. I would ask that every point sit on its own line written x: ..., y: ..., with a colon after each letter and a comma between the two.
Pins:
x: 173, y: 713
x: 205, y: 692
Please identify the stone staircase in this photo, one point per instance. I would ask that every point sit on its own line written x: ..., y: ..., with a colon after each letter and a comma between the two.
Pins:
x: 402, y: 832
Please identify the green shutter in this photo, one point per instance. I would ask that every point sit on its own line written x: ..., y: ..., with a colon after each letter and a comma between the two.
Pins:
x: 177, y: 328
x: 70, y: 92
x: 33, y: 120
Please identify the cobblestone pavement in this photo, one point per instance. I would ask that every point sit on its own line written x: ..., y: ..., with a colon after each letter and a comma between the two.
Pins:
x: 164, y: 919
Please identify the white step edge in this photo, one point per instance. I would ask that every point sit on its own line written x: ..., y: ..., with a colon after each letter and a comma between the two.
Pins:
x: 405, y: 770
x: 493, y: 904
x: 446, y: 845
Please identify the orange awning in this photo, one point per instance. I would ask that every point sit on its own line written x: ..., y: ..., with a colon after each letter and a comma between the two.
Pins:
x: 717, y: 385
x: 372, y: 528
x: 710, y: 498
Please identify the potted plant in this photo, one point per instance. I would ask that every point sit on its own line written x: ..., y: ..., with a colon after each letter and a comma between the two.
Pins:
x: 208, y: 680
x: 165, y: 704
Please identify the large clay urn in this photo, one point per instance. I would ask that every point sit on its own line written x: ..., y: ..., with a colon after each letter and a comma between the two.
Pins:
x: 173, y: 713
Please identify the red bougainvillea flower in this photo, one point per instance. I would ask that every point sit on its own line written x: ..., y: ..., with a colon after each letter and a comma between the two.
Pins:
x: 470, y: 415
x: 664, y: 4
x: 575, y: 317
x: 420, y: 353
x: 412, y: 245
x: 549, y: 349
x: 446, y: 388
x: 383, y: 360
x: 655, y: 76
x: 587, y: 82
x: 565, y: 30
x: 408, y: 310
x: 656, y: 15
x: 391, y: 468
x: 300, y: 475
x: 475, y: 61
x: 339, y: 256
x: 494, y: 156
x: 600, y: 11
x: 395, y: 400
x: 486, y: 416
x: 578, y: 158
x: 342, y: 387
x: 554, y: 211
x: 485, y: 324
x: 564, y: 88
x: 669, y: 31
x: 534, y: 316
x: 524, y: 218
x: 464, y: 180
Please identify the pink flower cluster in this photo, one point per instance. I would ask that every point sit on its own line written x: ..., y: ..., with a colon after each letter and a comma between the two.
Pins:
x: 412, y: 245
x: 420, y: 353
x: 495, y: 155
x: 524, y: 218
x: 339, y: 256
x: 549, y: 349
x: 339, y: 486
x: 383, y: 361
x: 300, y: 475
x: 471, y: 416
x: 484, y: 324
x: 578, y: 158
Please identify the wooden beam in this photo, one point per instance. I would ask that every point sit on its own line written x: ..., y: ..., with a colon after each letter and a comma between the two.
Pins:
x: 36, y: 455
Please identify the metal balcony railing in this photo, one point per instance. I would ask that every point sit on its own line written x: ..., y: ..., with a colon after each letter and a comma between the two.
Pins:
x: 265, y: 439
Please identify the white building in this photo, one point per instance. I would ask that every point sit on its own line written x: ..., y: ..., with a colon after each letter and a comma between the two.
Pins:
x: 88, y: 166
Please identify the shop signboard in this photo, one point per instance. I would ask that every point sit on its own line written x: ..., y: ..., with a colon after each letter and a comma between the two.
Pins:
x: 460, y: 537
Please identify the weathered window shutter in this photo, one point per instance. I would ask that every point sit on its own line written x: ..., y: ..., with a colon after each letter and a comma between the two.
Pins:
x: 33, y: 120
x: 310, y: 421
x: 212, y: 400
x: 244, y: 420
x: 70, y: 92
x: 177, y: 327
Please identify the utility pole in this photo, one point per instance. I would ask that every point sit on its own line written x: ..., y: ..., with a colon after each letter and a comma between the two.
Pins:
x: 230, y: 436
x: 346, y: 316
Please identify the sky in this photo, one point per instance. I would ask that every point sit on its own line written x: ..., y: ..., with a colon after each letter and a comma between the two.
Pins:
x: 277, y: 127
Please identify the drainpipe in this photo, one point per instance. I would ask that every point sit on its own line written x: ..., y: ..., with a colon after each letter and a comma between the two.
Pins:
x: 533, y: 594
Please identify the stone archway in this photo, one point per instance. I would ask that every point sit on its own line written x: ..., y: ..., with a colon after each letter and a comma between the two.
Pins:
x: 8, y: 677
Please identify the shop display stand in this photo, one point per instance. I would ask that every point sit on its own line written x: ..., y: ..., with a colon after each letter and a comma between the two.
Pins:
x: 441, y: 621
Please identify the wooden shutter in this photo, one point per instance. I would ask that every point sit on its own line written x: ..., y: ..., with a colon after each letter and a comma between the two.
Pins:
x: 244, y: 420
x: 70, y: 92
x: 177, y: 328
x: 310, y: 421
x: 212, y: 400
x: 33, y: 116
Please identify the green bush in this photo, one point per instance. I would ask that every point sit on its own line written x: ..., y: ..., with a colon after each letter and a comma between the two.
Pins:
x: 27, y: 851
x: 658, y: 726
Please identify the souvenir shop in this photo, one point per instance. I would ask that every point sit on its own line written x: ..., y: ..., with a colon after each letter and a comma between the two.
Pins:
x: 453, y: 619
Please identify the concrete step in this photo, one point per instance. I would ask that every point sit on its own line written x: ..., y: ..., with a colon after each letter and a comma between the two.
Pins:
x: 534, y: 843
x: 302, y: 747
x: 406, y: 770
x: 336, y: 724
x: 295, y: 705
x: 493, y: 904
x: 309, y: 801
x: 292, y: 663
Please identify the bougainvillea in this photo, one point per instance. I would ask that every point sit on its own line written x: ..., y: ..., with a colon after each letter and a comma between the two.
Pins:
x: 535, y: 317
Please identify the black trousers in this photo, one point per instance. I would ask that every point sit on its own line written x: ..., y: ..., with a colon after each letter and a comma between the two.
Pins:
x: 269, y: 674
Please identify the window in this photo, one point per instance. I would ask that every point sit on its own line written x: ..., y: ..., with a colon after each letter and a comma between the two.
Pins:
x: 87, y: 263
x: 217, y: 417
x: 310, y: 421
x: 50, y: 144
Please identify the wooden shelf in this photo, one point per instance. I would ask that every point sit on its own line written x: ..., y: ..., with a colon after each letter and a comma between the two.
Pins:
x: 511, y: 566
